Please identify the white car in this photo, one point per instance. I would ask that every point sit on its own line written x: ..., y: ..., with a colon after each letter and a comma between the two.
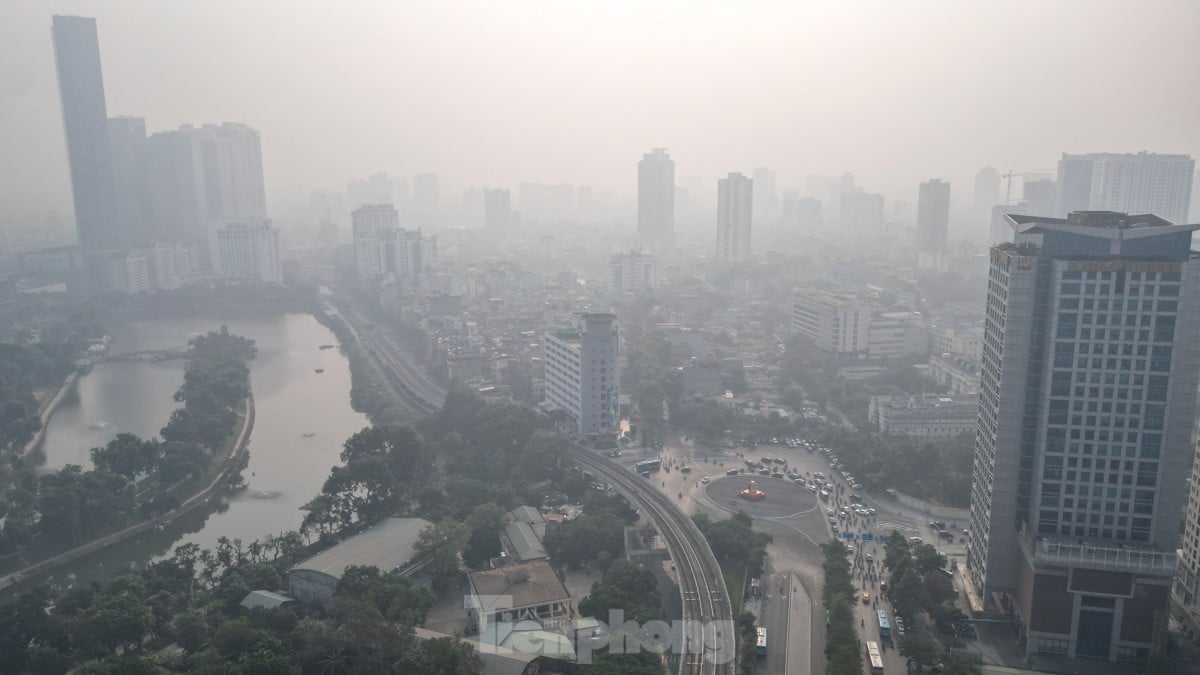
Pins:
x: 829, y: 512
x: 704, y: 478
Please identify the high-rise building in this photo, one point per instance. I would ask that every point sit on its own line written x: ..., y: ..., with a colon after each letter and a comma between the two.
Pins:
x: 1038, y: 195
x: 1131, y: 183
x: 202, y: 177
x: 798, y: 212
x: 85, y: 123
x: 378, y: 188
x: 829, y: 189
x: 860, y: 212
x: 374, y: 227
x: 987, y: 190
x: 766, y: 198
x: 246, y: 251
x: 933, y: 216
x: 1087, y: 406
x: 835, y: 323
x: 127, y: 137
x: 735, y: 208
x: 656, y: 198
x: 497, y: 209
x: 631, y: 273
x: 582, y: 379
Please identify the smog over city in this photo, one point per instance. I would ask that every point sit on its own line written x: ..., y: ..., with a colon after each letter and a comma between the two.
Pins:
x: 594, y: 338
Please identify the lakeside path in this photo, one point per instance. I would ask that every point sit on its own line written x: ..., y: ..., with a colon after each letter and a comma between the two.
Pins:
x: 238, y: 449
x: 48, y: 410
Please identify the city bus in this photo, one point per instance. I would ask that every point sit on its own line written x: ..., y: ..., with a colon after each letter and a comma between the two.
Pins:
x: 885, y: 626
x: 873, y: 658
x: 761, y: 644
x: 648, y: 465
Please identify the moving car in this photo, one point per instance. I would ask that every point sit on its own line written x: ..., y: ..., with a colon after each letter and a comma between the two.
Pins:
x: 866, y: 598
x: 704, y: 478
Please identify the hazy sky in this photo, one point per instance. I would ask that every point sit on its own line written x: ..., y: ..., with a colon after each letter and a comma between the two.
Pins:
x: 503, y: 91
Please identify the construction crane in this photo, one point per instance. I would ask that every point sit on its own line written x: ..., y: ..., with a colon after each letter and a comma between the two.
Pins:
x: 1009, y: 176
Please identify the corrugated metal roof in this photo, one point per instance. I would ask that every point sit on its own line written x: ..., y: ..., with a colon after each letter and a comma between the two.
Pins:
x: 525, y: 542
x: 385, y: 545
x: 264, y: 600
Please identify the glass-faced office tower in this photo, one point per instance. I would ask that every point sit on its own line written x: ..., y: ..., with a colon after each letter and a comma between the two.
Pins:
x: 1091, y: 361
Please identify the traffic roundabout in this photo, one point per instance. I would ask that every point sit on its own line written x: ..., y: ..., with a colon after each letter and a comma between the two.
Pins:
x: 780, y: 497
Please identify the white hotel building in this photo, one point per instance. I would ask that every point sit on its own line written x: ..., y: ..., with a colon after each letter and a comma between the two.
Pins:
x: 582, y: 378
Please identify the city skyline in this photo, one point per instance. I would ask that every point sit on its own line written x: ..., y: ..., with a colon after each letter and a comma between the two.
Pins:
x: 162, y: 60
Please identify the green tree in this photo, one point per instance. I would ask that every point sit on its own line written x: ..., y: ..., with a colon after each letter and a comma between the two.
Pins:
x: 628, y: 587
x: 119, y: 621
x: 440, y: 544
x: 920, y: 650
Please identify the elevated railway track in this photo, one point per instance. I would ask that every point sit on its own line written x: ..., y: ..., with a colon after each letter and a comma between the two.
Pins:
x: 709, y: 646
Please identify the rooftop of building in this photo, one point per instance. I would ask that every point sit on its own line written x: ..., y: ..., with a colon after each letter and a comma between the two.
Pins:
x: 264, y: 600
x: 525, y: 542
x: 527, y: 584
x: 1097, y: 219
x: 1142, y: 154
x: 385, y: 545
x: 527, y: 514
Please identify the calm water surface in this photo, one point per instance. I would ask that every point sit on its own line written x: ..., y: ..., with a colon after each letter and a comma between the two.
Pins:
x: 302, y: 419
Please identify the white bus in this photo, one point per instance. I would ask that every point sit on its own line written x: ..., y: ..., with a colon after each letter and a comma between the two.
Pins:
x: 761, y: 646
x: 873, y: 657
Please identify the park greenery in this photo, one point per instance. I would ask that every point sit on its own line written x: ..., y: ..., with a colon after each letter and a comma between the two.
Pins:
x: 627, y: 587
x: 183, y: 615
x: 134, y: 479
x: 843, y: 651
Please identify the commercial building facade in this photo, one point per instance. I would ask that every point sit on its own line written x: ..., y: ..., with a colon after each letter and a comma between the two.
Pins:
x: 835, y: 323
x: 1091, y: 361
x: 923, y: 416
x: 581, y: 375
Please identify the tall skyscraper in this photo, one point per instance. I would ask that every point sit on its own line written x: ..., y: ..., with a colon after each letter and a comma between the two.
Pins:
x: 497, y: 209
x: 127, y: 137
x: 656, y: 198
x: 735, y: 208
x: 766, y: 198
x: 1131, y: 183
x: 933, y: 216
x: 987, y: 190
x: 1087, y: 406
x: 85, y: 123
x: 203, y: 177
x: 860, y: 212
x: 1039, y: 195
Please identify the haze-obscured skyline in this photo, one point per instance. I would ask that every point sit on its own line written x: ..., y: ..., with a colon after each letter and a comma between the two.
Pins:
x: 490, y: 93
